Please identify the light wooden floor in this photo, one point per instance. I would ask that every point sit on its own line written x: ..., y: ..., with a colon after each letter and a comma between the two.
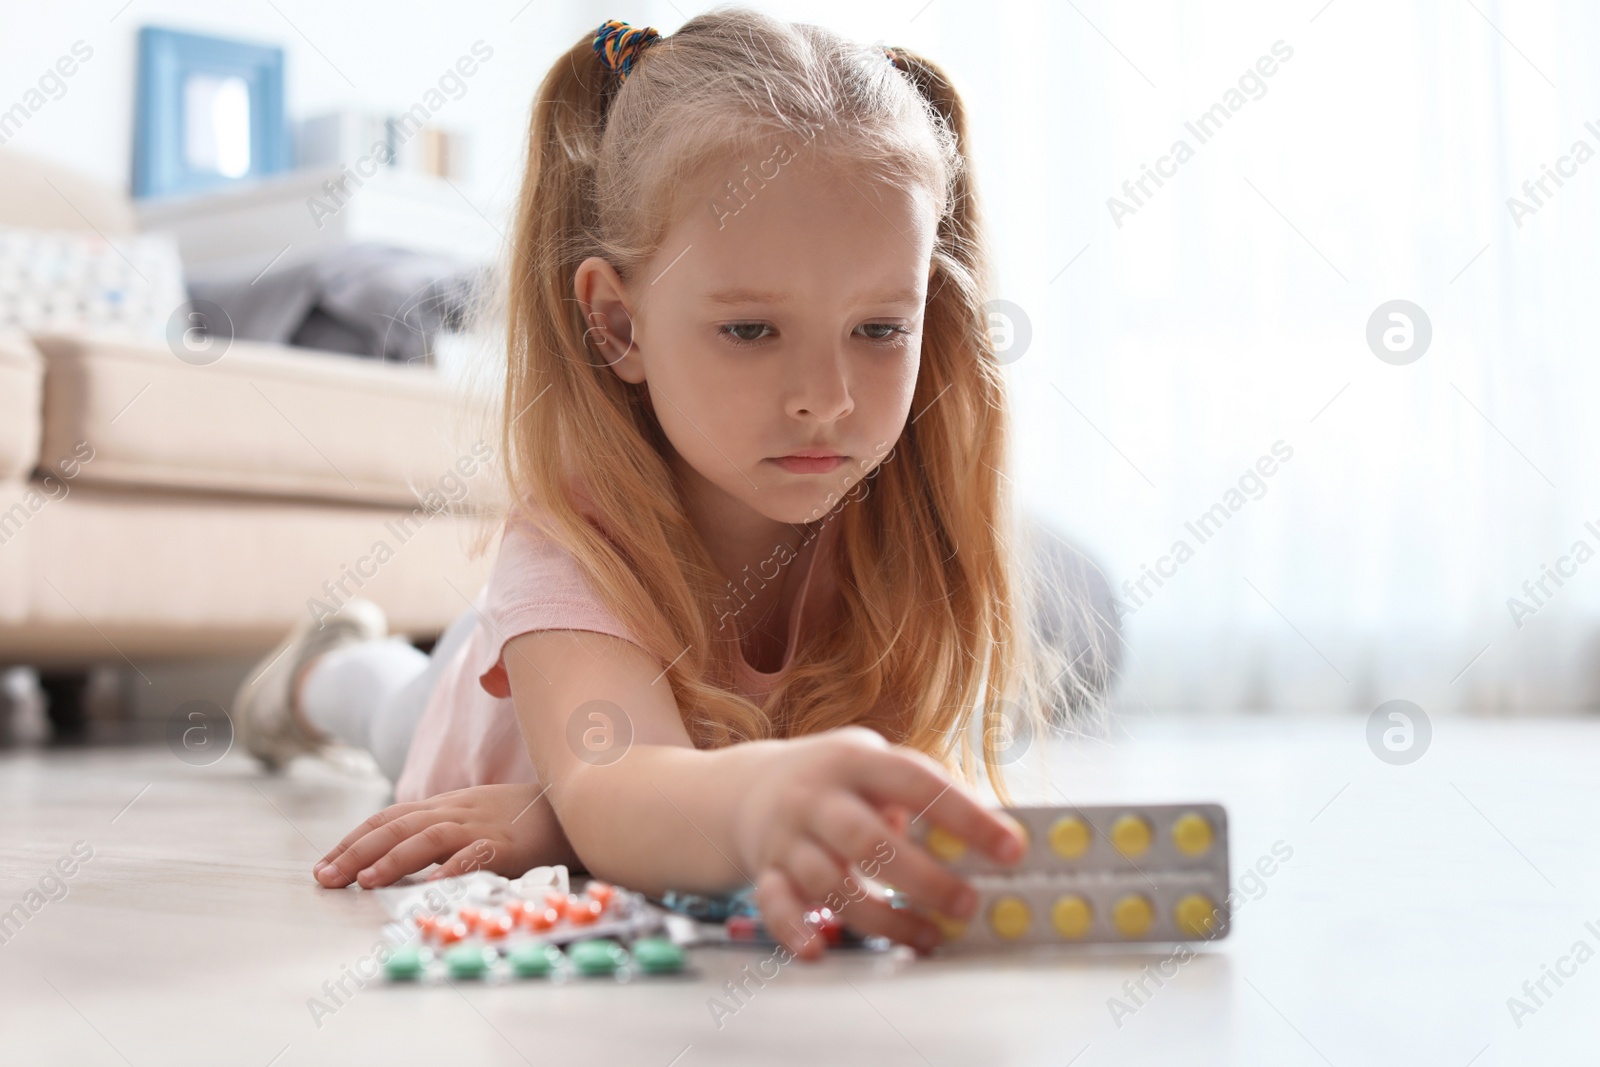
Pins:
x: 1418, y: 900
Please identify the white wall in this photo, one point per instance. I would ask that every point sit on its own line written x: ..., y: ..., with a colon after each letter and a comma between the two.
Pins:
x: 356, y: 53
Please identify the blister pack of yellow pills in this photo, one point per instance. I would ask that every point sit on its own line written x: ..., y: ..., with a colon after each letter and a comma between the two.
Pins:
x: 1114, y: 873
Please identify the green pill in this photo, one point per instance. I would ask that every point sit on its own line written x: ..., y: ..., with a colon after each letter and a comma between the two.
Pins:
x: 467, y: 961
x: 405, y: 964
x: 533, y: 961
x: 657, y: 955
x: 599, y: 956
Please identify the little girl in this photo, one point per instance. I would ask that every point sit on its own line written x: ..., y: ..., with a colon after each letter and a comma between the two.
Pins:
x: 759, y: 573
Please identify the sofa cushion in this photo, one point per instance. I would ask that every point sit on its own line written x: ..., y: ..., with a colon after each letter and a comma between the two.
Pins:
x: 97, y: 574
x: 38, y: 192
x: 262, y: 419
x: 20, y: 374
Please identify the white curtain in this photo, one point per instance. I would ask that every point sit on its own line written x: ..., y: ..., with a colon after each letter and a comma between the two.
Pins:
x: 1227, y: 315
x: 1230, y: 313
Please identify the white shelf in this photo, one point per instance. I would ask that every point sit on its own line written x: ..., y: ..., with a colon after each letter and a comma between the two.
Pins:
x: 293, y: 216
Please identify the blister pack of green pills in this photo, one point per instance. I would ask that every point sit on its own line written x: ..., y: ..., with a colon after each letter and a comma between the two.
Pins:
x: 591, y: 958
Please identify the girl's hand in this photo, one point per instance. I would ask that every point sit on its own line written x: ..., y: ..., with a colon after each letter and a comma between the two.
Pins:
x: 837, y: 803
x: 507, y: 829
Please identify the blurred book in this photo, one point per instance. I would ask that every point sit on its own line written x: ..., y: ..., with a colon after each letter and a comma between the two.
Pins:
x: 367, y: 140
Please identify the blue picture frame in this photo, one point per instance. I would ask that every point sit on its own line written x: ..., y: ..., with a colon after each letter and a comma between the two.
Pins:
x: 168, y: 59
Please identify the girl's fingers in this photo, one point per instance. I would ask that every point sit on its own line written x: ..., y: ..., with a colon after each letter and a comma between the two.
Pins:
x: 820, y: 876
x: 784, y: 914
x: 341, y: 870
x: 813, y: 870
x: 905, y: 777
x: 439, y: 841
x: 466, y: 861
x: 372, y: 822
x: 871, y: 915
x: 860, y: 837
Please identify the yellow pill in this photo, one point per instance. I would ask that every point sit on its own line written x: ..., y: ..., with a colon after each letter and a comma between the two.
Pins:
x: 1133, y: 915
x: 1131, y: 835
x: 1192, y: 834
x: 1010, y: 917
x: 944, y: 844
x: 1195, y: 915
x: 1069, y: 837
x: 1071, y: 916
x: 950, y: 928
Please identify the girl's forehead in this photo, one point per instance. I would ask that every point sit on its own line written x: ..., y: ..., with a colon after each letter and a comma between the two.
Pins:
x: 808, y: 221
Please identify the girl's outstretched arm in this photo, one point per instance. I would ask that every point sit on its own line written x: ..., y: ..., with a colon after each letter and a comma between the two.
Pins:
x: 641, y: 806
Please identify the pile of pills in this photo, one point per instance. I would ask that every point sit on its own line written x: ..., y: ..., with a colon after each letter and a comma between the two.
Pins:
x: 749, y: 928
x: 1095, y: 874
x: 711, y: 908
x: 499, y: 936
x: 734, y: 918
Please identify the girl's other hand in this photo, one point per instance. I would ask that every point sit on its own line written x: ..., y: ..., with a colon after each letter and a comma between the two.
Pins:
x: 837, y: 804
x: 507, y: 829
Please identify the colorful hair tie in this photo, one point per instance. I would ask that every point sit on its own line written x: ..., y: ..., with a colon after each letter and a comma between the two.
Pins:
x: 619, y: 44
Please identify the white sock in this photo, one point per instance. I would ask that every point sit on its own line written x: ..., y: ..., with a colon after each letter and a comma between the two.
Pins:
x: 347, y: 690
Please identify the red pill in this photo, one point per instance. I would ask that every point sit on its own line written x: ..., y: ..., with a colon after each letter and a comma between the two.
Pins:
x: 495, y: 926
x: 541, y: 918
x: 555, y: 900
x: 826, y: 923
x: 514, y: 908
x: 451, y: 932
x: 469, y: 915
x: 601, y: 891
x: 742, y: 927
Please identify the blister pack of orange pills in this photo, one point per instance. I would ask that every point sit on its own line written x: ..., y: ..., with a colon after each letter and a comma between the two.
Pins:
x: 1113, y: 873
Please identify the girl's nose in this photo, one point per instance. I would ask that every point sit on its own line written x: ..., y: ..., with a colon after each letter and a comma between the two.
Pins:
x: 824, y: 391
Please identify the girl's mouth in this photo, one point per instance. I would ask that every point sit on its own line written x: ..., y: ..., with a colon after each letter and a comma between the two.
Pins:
x: 808, y: 464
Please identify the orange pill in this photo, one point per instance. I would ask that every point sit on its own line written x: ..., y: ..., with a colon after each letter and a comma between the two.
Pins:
x: 494, y: 926
x: 540, y: 918
x: 556, y: 900
x: 470, y: 915
x: 601, y: 891
x: 425, y: 925
x: 582, y: 912
x: 450, y: 933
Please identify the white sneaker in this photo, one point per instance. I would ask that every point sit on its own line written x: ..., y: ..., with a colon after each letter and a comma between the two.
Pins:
x: 263, y: 715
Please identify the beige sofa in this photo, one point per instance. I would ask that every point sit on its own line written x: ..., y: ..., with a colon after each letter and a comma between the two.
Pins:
x: 152, y: 509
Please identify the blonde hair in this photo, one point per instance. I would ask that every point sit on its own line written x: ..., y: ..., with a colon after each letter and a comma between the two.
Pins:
x: 937, y: 621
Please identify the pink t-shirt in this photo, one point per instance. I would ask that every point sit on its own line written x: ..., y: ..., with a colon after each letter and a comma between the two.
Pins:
x: 468, y: 733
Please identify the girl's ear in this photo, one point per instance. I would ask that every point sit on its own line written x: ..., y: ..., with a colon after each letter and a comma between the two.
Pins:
x: 602, y: 295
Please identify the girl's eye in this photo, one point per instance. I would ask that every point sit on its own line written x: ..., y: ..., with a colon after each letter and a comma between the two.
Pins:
x: 894, y: 331
x: 732, y: 331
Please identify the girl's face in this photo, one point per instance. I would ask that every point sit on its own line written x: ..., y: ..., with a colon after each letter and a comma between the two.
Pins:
x: 785, y: 319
